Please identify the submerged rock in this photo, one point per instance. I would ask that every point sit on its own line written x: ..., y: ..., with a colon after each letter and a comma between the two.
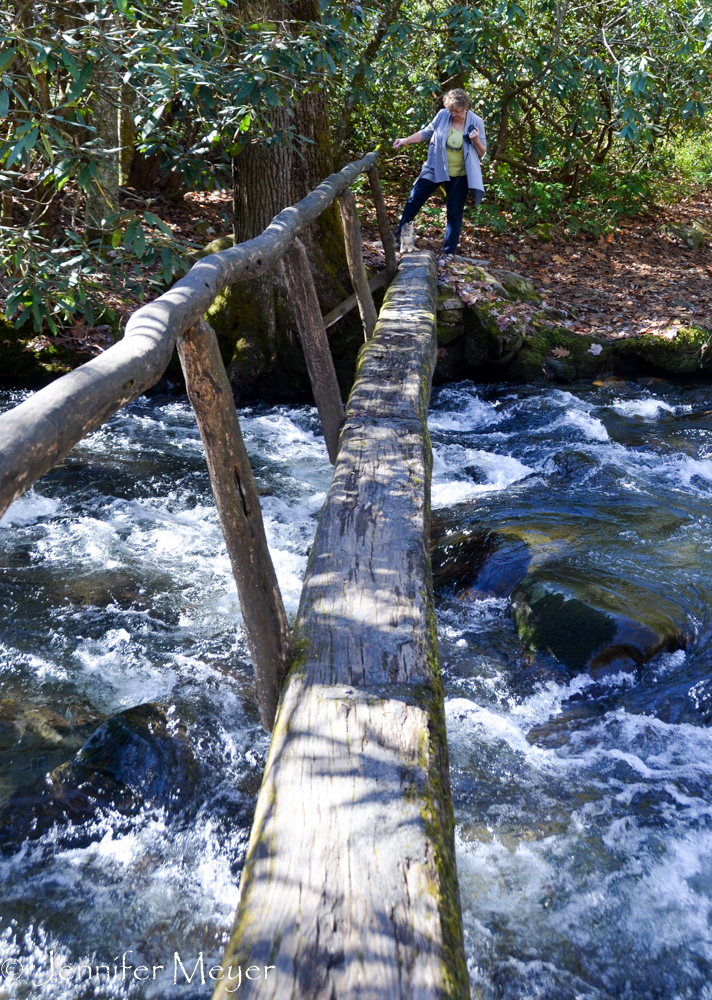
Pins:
x: 141, y: 757
x: 556, y: 617
x: 477, y: 565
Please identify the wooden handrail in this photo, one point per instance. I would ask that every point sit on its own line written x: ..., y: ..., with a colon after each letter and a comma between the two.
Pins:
x: 38, y: 433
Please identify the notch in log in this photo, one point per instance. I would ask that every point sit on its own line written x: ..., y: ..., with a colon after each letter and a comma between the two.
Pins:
x: 354, y: 256
x: 239, y: 511
x: 315, y: 344
x: 389, y: 247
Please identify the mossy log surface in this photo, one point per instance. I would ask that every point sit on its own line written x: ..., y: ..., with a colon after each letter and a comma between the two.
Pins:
x: 350, y: 888
x: 38, y: 433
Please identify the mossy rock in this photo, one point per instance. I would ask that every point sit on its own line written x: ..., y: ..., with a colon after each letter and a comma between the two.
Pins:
x: 448, y: 297
x: 451, y: 317
x: 518, y: 286
x: 25, y: 367
x: 479, y: 274
x: 687, y: 353
x: 570, y: 624
x: 473, y: 272
x: 486, y: 341
x: 692, y: 236
x: 542, y: 232
x: 535, y: 360
x: 548, y: 317
x: 447, y: 332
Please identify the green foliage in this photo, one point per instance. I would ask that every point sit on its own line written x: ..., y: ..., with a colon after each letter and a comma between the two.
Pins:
x: 55, y: 281
x: 583, y: 105
x: 591, y: 111
x: 193, y: 84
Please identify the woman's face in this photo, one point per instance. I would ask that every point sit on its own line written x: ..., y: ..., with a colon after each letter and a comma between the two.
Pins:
x: 458, y: 114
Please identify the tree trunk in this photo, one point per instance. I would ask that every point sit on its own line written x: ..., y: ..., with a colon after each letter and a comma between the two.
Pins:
x: 349, y: 890
x: 102, y: 198
x: 266, y: 358
x: 127, y: 133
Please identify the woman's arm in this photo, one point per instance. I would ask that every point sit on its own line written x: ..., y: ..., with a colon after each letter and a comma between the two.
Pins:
x: 478, y: 144
x: 415, y: 137
x: 477, y: 134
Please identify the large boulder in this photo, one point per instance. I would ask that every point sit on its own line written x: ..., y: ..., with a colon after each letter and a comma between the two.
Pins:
x: 687, y: 352
x: 540, y: 355
x: 141, y: 757
x: 573, y: 621
x: 494, y: 333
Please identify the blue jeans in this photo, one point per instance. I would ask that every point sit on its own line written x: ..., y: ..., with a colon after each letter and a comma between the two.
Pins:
x: 456, y: 189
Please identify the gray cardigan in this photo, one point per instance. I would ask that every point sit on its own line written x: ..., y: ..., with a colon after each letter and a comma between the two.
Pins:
x: 435, y: 167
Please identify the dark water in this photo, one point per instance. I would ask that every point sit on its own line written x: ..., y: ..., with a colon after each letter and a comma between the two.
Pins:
x: 584, y: 806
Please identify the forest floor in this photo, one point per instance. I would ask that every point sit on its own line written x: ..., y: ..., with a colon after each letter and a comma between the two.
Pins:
x: 638, y: 280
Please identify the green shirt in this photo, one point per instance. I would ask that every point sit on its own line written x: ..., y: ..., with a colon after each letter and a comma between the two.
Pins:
x: 455, y: 153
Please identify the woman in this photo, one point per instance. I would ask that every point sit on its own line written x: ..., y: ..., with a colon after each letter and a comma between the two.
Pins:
x: 457, y: 141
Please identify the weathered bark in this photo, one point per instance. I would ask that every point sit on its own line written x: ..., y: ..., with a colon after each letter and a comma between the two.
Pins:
x: 45, y: 190
x: 127, y: 133
x: 354, y: 255
x: 350, y: 888
x: 266, y: 178
x: 38, y: 433
x: 102, y: 198
x: 238, y: 507
x: 312, y: 332
x: 389, y: 247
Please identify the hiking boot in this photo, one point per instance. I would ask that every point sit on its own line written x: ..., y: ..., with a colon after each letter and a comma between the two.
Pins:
x: 407, y: 238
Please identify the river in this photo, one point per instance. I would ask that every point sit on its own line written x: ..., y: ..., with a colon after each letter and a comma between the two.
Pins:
x: 583, y: 803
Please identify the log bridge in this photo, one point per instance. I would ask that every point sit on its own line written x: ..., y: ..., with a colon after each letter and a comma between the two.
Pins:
x: 349, y: 890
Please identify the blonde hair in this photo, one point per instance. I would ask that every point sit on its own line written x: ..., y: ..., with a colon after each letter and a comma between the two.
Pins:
x: 456, y: 98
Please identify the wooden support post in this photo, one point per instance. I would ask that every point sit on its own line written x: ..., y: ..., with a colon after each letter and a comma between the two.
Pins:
x: 350, y: 887
x: 338, y: 312
x: 315, y: 344
x: 389, y: 247
x: 238, y: 507
x: 354, y: 256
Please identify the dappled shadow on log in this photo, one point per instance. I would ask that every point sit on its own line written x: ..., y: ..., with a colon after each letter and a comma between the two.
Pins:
x: 349, y: 887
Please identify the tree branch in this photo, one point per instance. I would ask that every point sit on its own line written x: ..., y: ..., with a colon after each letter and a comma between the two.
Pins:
x: 369, y: 54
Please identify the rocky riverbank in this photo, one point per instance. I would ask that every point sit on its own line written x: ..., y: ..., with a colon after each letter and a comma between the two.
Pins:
x: 494, y: 324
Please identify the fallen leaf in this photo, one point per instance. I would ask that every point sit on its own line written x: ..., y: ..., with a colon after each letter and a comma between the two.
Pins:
x: 560, y: 352
x: 558, y: 258
x: 595, y: 349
